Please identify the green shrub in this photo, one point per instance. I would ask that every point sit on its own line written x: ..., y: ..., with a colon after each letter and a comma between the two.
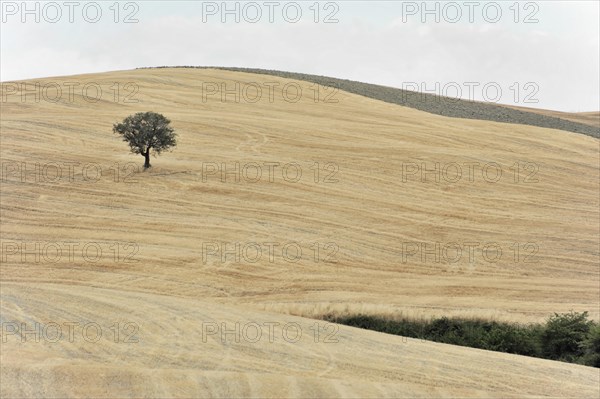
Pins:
x: 522, y: 340
x: 591, y: 347
x: 568, y: 337
x: 564, y: 335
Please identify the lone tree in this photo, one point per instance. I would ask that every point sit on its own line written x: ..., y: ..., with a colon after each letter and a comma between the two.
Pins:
x: 146, y: 131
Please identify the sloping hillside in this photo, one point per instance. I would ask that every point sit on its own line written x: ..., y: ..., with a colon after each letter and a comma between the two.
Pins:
x: 584, y: 123
x: 175, y: 352
x: 341, y: 219
x: 587, y: 118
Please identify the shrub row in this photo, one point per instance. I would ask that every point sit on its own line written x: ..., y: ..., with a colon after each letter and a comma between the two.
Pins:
x: 569, y: 337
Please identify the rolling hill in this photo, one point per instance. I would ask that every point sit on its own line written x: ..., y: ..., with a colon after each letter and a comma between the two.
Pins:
x: 275, y: 209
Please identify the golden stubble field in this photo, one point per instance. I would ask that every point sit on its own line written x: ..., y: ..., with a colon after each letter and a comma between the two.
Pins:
x: 588, y: 118
x: 334, y: 208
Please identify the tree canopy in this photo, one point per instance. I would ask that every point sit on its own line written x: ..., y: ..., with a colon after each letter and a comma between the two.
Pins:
x: 146, y: 131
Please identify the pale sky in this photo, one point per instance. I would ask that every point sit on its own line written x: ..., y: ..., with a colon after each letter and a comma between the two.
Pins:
x: 542, y: 54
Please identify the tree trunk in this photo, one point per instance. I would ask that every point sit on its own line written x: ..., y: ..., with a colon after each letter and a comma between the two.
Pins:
x: 147, y: 156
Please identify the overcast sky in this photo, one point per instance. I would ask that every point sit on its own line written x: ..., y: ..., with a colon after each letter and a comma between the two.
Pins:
x: 542, y: 54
